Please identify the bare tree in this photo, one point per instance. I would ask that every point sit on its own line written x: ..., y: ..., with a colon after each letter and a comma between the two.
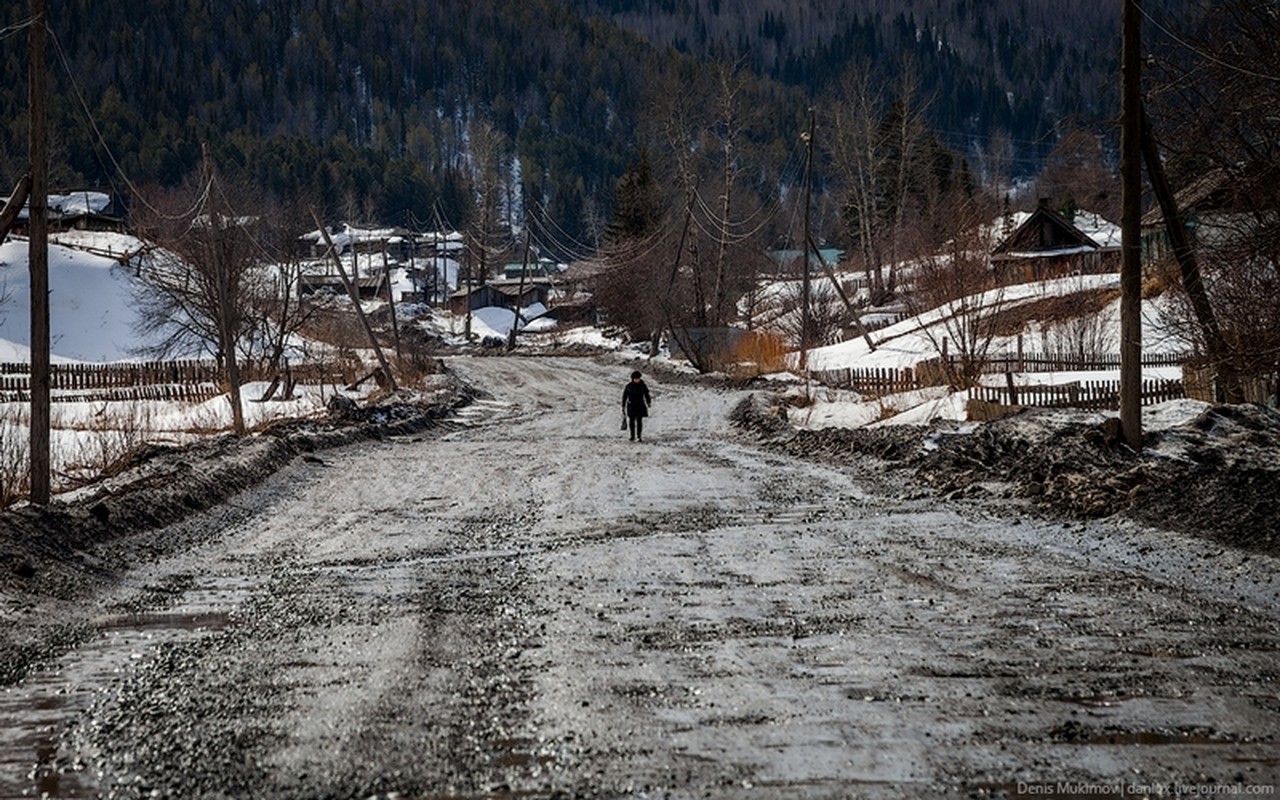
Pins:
x: 958, y: 301
x: 711, y: 243
x: 489, y: 228
x: 1215, y: 115
x: 1078, y: 176
x: 856, y: 150
x: 828, y: 315
x: 202, y: 276
x: 882, y: 151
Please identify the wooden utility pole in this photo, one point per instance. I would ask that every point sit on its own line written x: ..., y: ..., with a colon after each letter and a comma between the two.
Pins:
x: 354, y: 294
x: 804, y: 248
x: 38, y: 255
x: 1189, y: 267
x: 16, y: 201
x: 466, y: 327
x: 391, y: 302
x: 1131, y: 228
x: 524, y: 270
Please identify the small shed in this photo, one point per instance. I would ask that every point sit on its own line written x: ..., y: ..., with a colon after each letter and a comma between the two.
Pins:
x: 521, y: 294
x: 371, y: 288
x: 470, y: 298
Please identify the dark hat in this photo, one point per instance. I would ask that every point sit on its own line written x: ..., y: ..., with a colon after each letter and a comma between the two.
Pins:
x: 635, y: 375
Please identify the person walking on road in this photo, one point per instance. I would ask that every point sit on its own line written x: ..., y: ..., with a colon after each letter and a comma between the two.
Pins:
x: 635, y: 406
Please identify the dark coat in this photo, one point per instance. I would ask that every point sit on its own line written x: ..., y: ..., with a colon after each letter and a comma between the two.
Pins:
x: 635, y: 399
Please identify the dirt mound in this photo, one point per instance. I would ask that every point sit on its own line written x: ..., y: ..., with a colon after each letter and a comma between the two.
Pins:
x: 1217, y: 475
x: 48, y: 550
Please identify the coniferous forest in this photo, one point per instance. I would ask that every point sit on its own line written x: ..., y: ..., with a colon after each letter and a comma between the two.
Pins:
x: 374, y: 108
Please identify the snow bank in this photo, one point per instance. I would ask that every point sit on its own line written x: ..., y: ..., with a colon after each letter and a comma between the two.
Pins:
x: 92, y: 314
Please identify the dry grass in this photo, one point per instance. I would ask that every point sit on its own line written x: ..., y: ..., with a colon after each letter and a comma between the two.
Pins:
x: 1053, y: 310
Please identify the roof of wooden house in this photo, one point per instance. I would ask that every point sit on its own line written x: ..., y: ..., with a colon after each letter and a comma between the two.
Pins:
x: 1044, y: 234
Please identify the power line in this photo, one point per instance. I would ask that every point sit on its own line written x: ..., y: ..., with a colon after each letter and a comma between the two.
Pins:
x: 17, y: 27
x: 1207, y: 56
x: 101, y: 140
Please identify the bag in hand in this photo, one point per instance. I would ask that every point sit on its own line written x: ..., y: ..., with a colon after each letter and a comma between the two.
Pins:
x: 624, y: 423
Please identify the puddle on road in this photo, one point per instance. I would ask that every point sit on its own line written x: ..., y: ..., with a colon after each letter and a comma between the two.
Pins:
x: 1155, y: 738
x: 35, y: 713
x: 168, y: 620
x: 1096, y: 700
x: 1074, y: 733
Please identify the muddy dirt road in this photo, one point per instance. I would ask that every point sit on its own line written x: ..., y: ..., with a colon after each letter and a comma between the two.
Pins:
x: 528, y: 605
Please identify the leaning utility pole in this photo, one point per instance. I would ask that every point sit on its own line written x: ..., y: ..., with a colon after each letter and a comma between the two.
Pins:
x: 38, y: 255
x: 1131, y: 228
x: 353, y: 291
x: 14, y: 205
x: 1189, y: 268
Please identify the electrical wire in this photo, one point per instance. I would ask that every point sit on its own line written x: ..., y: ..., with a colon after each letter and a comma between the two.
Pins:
x: 1210, y: 57
x: 201, y: 197
x: 16, y: 28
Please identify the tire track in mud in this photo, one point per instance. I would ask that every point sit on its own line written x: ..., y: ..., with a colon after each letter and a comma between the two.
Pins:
x: 332, y: 678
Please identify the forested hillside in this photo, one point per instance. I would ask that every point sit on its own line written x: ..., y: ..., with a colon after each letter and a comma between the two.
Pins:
x: 374, y: 108
x: 987, y: 67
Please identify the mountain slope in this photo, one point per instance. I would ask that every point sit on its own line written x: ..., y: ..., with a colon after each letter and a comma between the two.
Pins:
x: 371, y: 106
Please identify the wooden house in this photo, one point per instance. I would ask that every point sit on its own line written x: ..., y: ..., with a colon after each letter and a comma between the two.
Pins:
x: 500, y: 294
x: 396, y: 243
x: 1048, y: 245
x: 81, y: 211
x: 475, y: 297
x: 1219, y: 210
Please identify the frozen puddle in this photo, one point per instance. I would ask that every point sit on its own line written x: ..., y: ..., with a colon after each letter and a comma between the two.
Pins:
x: 35, y: 713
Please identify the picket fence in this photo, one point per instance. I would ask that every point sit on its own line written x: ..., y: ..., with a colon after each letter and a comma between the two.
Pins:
x: 101, y: 376
x: 871, y: 381
x: 1063, y: 361
x: 1100, y: 395
x: 189, y: 381
x: 1090, y: 394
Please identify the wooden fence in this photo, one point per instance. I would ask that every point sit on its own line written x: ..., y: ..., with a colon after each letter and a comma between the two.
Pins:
x: 196, y: 393
x: 187, y: 381
x: 108, y: 376
x: 875, y: 381
x: 934, y: 372
x: 1064, y: 361
x: 1091, y: 395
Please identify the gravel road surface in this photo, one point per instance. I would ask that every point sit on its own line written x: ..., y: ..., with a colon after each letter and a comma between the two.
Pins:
x: 526, y: 604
